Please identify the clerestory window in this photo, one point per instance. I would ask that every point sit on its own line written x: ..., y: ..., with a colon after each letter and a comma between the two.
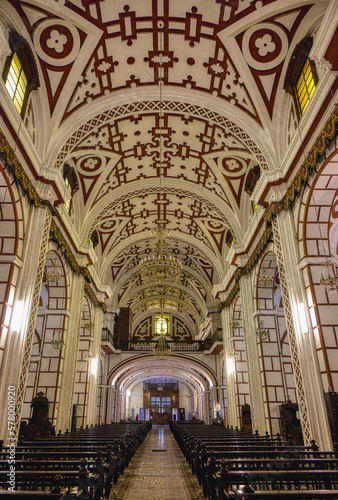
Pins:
x: 16, y: 83
x: 301, y: 76
x: 20, y: 72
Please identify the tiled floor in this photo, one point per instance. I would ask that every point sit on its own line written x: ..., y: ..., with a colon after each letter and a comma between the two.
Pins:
x: 158, y: 475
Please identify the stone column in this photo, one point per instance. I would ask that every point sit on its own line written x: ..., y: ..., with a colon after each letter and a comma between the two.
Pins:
x: 207, y: 407
x: 117, y: 406
x: 109, y: 411
x: 18, y: 347
x: 306, y: 369
x: 94, y: 369
x: 64, y: 418
x: 230, y: 372
x: 213, y: 400
x: 200, y: 406
x: 252, y: 359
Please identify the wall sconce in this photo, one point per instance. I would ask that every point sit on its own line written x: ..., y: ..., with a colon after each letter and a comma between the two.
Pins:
x: 89, y: 326
x: 262, y: 332
x: 230, y: 365
x: 57, y: 340
x: 93, y: 366
x: 90, y: 350
x: 233, y: 353
x: 234, y: 324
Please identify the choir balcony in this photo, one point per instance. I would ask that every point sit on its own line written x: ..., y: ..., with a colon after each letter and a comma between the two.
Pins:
x: 113, y: 345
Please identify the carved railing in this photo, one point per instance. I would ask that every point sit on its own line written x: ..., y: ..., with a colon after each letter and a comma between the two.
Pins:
x: 141, y: 345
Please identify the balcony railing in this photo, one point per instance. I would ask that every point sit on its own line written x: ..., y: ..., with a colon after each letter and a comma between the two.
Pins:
x: 107, y: 336
x: 217, y: 336
x: 140, y: 345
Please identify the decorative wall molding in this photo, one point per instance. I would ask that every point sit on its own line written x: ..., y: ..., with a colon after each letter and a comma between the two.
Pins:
x: 13, y: 164
x: 307, y: 169
x: 59, y: 239
x: 94, y: 299
x: 241, y: 271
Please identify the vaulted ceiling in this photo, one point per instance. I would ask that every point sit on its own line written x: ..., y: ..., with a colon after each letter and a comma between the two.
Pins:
x: 219, y: 113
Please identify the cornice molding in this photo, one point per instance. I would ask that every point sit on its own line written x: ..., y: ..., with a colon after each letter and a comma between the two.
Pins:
x: 13, y: 164
x: 307, y: 169
x: 93, y: 298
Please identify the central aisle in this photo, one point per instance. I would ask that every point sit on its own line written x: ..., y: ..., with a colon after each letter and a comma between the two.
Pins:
x: 158, y: 475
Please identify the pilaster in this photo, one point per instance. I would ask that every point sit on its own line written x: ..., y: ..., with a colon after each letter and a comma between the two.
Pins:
x: 25, y: 307
x: 309, y: 387
x: 67, y: 385
x: 91, y: 414
x: 230, y: 373
x: 251, y: 350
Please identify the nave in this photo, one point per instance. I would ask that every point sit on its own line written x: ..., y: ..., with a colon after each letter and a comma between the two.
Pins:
x: 158, y: 470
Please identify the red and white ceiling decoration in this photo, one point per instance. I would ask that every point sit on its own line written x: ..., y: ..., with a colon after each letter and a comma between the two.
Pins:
x: 222, y: 64
x: 89, y: 49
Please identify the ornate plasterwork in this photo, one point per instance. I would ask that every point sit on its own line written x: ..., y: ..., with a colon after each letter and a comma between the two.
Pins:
x: 13, y: 164
x: 235, y: 53
x: 93, y: 298
x: 59, y: 239
x: 291, y: 335
x: 259, y: 249
x: 89, y: 132
x: 192, y: 369
x: 307, y: 168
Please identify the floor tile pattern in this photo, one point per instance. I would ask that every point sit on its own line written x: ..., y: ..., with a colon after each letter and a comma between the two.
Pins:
x: 158, y: 471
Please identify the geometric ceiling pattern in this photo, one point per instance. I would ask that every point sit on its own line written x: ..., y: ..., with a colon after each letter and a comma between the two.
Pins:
x: 203, y: 82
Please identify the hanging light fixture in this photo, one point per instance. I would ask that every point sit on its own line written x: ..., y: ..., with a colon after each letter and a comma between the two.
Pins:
x: 329, y: 278
x: 265, y: 281
x: 53, y: 275
x: 160, y: 266
x: 57, y: 340
x: 261, y: 332
x: 162, y: 351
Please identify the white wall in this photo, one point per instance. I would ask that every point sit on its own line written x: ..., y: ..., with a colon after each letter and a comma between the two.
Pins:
x: 185, y: 398
x: 136, y: 399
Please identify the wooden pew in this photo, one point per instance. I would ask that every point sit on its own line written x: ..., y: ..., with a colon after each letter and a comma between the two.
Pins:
x: 91, y: 460
x: 269, y: 462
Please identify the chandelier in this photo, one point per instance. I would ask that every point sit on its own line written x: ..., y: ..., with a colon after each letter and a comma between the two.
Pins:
x: 160, y: 266
x: 261, y: 332
x: 53, y: 275
x: 329, y: 279
x: 57, y: 342
x: 162, y: 351
x: 265, y: 281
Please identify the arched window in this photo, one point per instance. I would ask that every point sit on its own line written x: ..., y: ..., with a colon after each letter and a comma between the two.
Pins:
x: 301, y: 76
x: 20, y: 72
x: 162, y: 325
